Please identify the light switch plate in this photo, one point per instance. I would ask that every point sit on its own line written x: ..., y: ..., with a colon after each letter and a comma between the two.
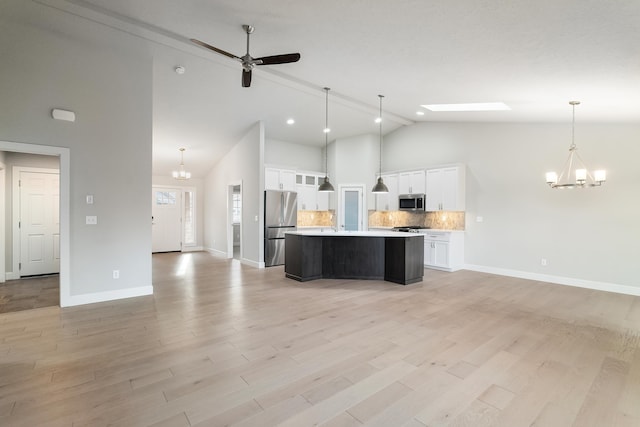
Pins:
x: 89, y: 199
x: 91, y: 219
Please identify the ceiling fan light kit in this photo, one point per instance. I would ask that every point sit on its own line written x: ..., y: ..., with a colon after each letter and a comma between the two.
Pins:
x: 575, y: 174
x: 248, y: 62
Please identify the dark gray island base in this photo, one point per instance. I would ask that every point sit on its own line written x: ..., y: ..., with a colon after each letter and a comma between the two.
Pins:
x: 394, y: 257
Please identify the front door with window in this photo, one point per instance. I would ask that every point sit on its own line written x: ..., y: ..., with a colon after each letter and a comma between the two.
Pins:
x: 166, y: 220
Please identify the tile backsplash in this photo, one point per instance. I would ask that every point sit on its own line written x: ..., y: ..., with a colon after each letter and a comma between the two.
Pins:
x: 445, y: 220
x: 315, y: 218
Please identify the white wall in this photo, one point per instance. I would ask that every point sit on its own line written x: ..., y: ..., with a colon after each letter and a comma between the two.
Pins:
x: 295, y: 156
x: 242, y: 164
x: 355, y: 161
x: 588, y: 235
x: 52, y: 60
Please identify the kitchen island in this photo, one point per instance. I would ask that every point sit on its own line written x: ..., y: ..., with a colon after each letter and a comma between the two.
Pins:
x: 376, y: 255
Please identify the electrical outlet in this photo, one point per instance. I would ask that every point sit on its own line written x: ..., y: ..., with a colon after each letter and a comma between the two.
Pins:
x: 543, y: 262
x: 91, y: 220
x: 116, y: 274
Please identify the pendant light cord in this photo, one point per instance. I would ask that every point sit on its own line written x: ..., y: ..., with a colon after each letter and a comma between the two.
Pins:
x: 326, y: 132
x: 380, y: 160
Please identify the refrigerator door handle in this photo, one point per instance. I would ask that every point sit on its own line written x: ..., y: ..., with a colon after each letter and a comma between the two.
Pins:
x: 281, y: 208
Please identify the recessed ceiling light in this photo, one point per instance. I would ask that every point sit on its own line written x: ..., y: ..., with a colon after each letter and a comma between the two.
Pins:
x: 477, y: 106
x: 179, y: 69
x: 420, y: 113
x: 378, y: 119
x: 290, y: 121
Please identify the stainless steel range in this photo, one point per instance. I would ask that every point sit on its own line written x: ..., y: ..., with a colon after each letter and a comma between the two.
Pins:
x: 410, y: 228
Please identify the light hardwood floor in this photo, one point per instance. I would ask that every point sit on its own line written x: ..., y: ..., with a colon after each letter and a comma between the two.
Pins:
x: 224, y: 344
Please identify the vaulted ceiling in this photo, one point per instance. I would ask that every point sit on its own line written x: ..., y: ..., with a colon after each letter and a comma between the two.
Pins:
x: 535, y: 56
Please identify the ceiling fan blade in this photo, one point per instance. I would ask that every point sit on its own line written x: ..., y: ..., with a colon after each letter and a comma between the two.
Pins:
x: 215, y: 49
x: 278, y: 59
x: 246, y: 78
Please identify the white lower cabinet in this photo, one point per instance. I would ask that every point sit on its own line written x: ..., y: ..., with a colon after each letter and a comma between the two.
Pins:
x: 444, y: 250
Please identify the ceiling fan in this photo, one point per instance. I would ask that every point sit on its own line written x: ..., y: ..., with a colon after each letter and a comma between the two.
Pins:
x: 248, y: 62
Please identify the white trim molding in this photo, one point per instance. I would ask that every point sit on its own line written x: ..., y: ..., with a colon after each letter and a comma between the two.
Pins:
x: 108, y: 295
x: 216, y: 252
x: 192, y: 249
x: 65, y: 193
x: 559, y: 280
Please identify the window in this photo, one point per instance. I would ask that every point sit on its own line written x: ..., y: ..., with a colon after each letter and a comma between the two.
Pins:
x: 189, y: 218
x: 166, y: 197
x: 237, y: 208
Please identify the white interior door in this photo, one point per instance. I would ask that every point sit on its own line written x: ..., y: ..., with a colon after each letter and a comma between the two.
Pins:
x: 166, y: 220
x: 39, y: 223
x: 351, y: 208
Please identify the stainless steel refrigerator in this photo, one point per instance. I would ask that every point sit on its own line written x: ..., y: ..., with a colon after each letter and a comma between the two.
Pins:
x: 280, y: 216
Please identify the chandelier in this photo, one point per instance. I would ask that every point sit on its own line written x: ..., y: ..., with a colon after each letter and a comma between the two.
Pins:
x: 575, y: 174
x: 181, y: 173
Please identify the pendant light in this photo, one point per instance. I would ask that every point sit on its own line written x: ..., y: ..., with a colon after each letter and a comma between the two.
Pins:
x: 181, y: 173
x: 326, y: 186
x: 575, y: 167
x: 380, y: 187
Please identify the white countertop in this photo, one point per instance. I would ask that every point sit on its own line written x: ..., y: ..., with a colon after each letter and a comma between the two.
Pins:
x: 376, y: 233
x: 422, y: 230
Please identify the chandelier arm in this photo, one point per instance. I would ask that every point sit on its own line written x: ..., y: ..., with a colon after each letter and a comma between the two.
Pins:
x: 584, y: 165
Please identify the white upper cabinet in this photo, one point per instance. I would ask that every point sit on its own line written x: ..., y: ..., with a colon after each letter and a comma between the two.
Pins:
x: 309, y: 198
x: 322, y: 203
x: 388, y: 201
x: 412, y: 182
x: 445, y: 189
x: 279, y: 179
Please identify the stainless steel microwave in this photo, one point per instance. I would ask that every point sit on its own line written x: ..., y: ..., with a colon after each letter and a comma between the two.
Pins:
x: 411, y: 202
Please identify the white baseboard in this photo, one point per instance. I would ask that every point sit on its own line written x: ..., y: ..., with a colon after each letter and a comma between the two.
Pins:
x: 9, y: 275
x: 251, y: 263
x: 192, y: 249
x: 243, y: 260
x: 560, y: 280
x: 72, y: 300
x: 216, y: 252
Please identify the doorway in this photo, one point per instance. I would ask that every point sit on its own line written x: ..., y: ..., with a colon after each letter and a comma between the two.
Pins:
x: 351, y: 207
x: 234, y: 219
x: 58, y: 286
